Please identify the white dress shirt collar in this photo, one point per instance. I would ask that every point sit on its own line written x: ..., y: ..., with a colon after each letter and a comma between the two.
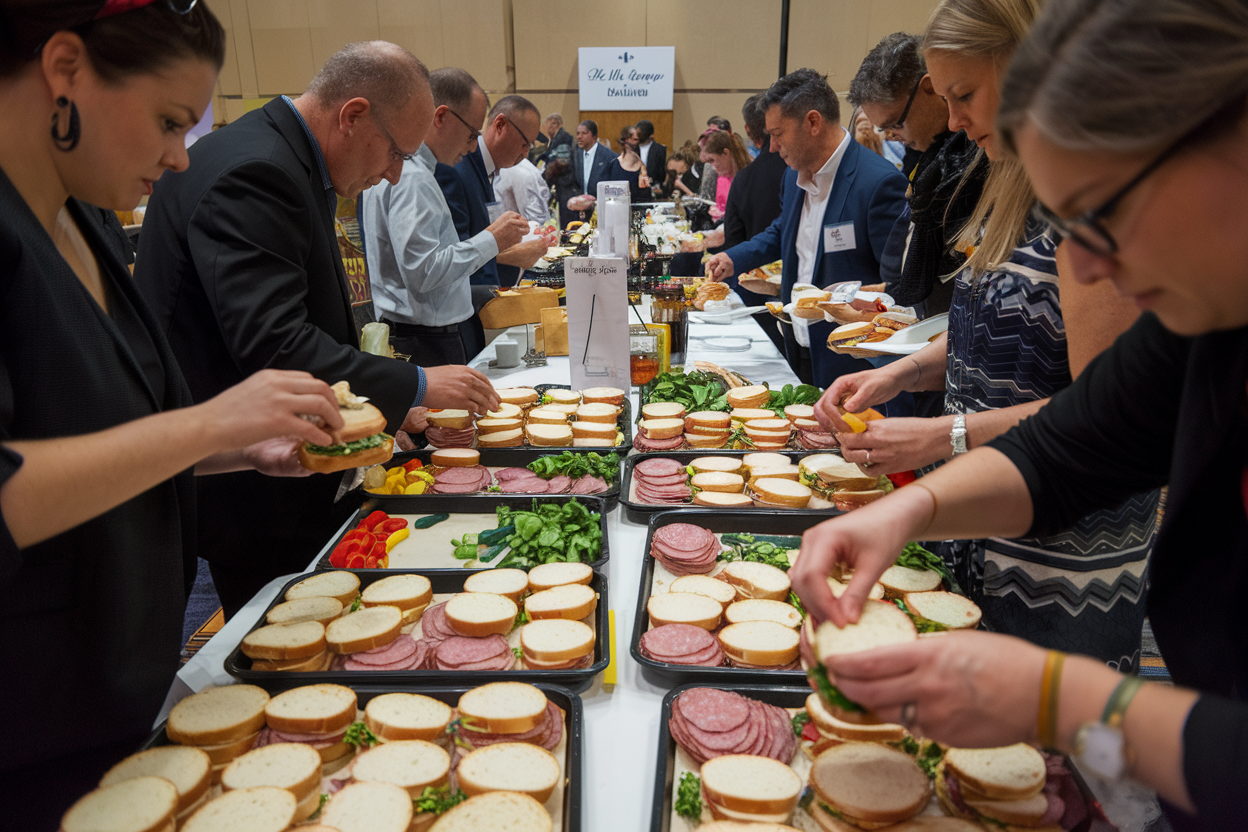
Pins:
x: 643, y: 150
x: 820, y: 184
x: 487, y: 158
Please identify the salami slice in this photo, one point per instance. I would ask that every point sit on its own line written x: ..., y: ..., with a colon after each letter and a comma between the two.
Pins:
x: 456, y: 488
x: 396, y: 651
x: 670, y: 640
x: 657, y: 467
x: 434, y: 626
x: 713, y: 710
x: 547, y: 733
x: 459, y: 476
x: 458, y: 651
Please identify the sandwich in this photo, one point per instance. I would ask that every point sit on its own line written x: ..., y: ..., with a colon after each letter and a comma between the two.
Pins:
x: 514, y: 583
x: 858, y: 310
x: 291, y: 647
x: 750, y: 788
x: 659, y: 434
x: 756, y: 580
x: 369, y: 807
x: 259, y: 809
x: 508, y: 712
x: 547, y: 575
x: 513, y: 811
x: 998, y: 787
x: 721, y: 591
x: 684, y: 608
x: 663, y: 410
x: 362, y: 440
x: 412, y: 765
x: 407, y: 716
x: 509, y: 767
x: 894, y: 320
x: 314, y: 715
x: 222, y: 722
x: 143, y: 804
x: 845, y: 484
x: 847, y: 336
x: 760, y: 645
x: 188, y: 769
x: 557, y: 644
x: 292, y: 766
x: 779, y: 492
x: 571, y: 601
x: 861, y: 785
x: 481, y: 614
x: 806, y: 305
x: 603, y: 395
x: 943, y: 611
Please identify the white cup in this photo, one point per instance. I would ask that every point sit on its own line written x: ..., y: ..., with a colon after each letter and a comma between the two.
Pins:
x: 507, y: 353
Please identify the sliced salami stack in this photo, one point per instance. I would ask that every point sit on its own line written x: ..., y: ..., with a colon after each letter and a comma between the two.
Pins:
x: 685, y: 549
x: 520, y: 481
x: 468, y: 653
x: 401, y: 654
x: 547, y: 734
x: 709, y: 723
x: 450, y: 437
x: 661, y: 481
x: 816, y: 440
x: 462, y: 480
x: 434, y: 626
x: 682, y: 644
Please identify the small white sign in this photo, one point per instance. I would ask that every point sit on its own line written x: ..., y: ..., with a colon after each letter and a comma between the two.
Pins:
x: 597, y: 298
x: 626, y: 78
x: 839, y: 237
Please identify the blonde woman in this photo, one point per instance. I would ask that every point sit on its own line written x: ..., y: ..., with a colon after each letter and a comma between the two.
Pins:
x: 1005, y: 354
x: 726, y: 155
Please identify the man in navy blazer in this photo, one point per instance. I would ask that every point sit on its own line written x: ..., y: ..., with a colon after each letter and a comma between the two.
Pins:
x: 574, y: 181
x: 503, y: 143
x: 840, y: 202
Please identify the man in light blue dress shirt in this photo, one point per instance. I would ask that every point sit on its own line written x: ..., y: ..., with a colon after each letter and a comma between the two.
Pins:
x: 418, y: 267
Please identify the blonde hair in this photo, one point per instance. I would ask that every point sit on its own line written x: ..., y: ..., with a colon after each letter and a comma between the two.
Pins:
x: 990, y: 29
x: 721, y: 142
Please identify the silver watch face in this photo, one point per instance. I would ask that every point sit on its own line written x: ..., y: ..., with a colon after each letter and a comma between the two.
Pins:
x: 1103, y: 750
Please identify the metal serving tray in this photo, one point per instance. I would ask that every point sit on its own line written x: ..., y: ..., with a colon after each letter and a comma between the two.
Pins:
x: 640, y: 512
x: 573, y: 726
x: 665, y: 673
x: 472, y: 504
x: 443, y: 581
x: 490, y: 458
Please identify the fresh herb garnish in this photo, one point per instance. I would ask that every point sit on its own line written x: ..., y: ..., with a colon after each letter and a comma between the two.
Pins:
x: 695, y: 391
x: 359, y: 735
x: 576, y: 465
x: 689, y: 796
x: 741, y: 546
x: 550, y: 533
x: 930, y: 758
x: 522, y: 618
x: 349, y: 447
x: 787, y: 395
x: 921, y: 624
x: 438, y: 800
x: 356, y: 604
x: 518, y: 653
x: 914, y: 556
x: 799, y: 721
x: 830, y: 692
x: 319, y: 807
x: 796, y: 603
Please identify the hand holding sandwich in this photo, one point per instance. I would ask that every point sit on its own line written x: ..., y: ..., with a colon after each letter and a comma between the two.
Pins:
x: 458, y: 387
x: 272, y: 403
x: 720, y: 267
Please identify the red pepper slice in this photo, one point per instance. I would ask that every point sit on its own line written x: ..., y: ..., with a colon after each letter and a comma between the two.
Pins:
x: 354, y: 534
x: 413, y: 465
x: 393, y: 525
x: 370, y: 562
x: 356, y: 562
x: 378, y: 550
x: 338, y: 559
x: 810, y: 732
x: 372, y: 521
x: 902, y: 478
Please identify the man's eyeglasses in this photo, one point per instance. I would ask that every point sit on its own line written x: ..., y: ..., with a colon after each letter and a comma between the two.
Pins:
x: 395, y: 154
x: 527, y: 140
x: 901, y: 121
x: 472, y: 130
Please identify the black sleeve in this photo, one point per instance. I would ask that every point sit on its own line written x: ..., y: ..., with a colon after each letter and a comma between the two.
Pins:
x: 1107, y: 436
x: 1215, y: 761
x: 734, y: 222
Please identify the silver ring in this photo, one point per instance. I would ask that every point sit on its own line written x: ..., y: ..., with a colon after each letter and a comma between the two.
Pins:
x: 868, y: 462
x: 909, y: 712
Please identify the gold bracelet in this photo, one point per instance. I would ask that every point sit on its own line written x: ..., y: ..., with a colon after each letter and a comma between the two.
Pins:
x: 1050, y: 687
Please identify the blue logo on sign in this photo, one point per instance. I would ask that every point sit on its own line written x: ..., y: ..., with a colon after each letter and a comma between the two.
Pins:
x: 627, y: 57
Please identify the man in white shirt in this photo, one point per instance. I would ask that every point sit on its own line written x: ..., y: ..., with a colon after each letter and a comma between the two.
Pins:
x: 418, y: 267
x: 840, y: 203
x: 522, y: 189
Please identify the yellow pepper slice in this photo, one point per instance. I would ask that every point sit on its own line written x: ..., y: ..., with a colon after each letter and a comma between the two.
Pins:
x: 395, y: 538
x: 415, y: 488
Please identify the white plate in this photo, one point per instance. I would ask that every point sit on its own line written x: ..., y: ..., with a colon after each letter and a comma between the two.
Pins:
x: 725, y: 318
x: 724, y: 343
x: 911, y: 339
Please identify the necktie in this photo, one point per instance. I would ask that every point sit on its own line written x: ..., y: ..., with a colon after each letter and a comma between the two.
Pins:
x: 585, y: 184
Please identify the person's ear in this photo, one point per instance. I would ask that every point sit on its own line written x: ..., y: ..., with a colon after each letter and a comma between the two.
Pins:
x: 63, y: 61
x: 351, y: 113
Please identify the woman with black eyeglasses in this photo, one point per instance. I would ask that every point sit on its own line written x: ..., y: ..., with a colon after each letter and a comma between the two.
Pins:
x: 98, y: 438
x: 1017, y: 334
x: 1131, y: 119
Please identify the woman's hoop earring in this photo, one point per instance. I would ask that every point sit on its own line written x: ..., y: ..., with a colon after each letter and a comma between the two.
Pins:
x: 73, y: 131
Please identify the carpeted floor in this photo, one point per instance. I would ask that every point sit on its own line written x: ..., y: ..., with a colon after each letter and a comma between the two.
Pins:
x: 203, y: 613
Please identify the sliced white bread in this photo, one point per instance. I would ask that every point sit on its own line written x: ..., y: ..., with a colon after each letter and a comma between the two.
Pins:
x: 285, y: 641
x: 501, y: 439
x: 506, y: 410
x: 311, y: 709
x: 189, y: 769
x: 488, y: 427
x: 720, y: 499
x: 1028, y: 811
x: 559, y: 395
x: 718, y: 464
x: 838, y: 589
x: 760, y: 643
x: 598, y: 412
x: 480, y: 614
x: 716, y: 481
x: 936, y: 823
x: 364, y: 629
x: 546, y: 416
x: 262, y: 809
x: 870, y: 782
x: 794, y: 412
x: 663, y: 410
x: 510, y: 811
x: 765, y: 460
x: 810, y: 465
x: 569, y: 409
x: 831, y: 725
x: 570, y: 601
x: 605, y: 395
x: 599, y: 431
x: 705, y: 433
x: 318, y: 608
x: 723, y: 592
x: 770, y: 444
x: 513, y: 583
x: 899, y: 580
x: 707, y: 421
x: 140, y: 804
x: 750, y: 783
x: 552, y: 436
x: 222, y: 753
x: 455, y: 457
x: 407, y: 592
x: 338, y: 583
x: 757, y: 580
x: 698, y: 441
x: 755, y: 395
x: 450, y: 418
x: 1013, y: 772
x: 788, y: 471
x: 770, y: 424
x: 519, y: 396
x: 407, y: 716
x: 662, y: 428
x: 745, y: 819
x: 503, y: 707
x: 953, y: 611
x: 217, y: 715
x: 554, y: 640
x: 509, y: 767
x: 844, y: 474
x: 547, y: 575
x: 880, y: 623
x: 412, y: 765
x: 737, y: 826
x: 775, y: 491
x: 293, y: 766
x: 759, y: 609
x: 369, y: 807
x: 684, y: 608
x: 809, y: 425
x: 741, y: 415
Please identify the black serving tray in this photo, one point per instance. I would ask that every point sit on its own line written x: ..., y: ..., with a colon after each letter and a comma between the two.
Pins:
x: 573, y: 726
x: 482, y: 504
x: 787, y: 697
x: 490, y: 458
x: 443, y: 580
x: 640, y: 512
x: 664, y: 673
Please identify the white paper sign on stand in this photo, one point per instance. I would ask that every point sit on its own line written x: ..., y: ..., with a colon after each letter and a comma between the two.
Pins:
x: 626, y: 78
x: 597, y: 298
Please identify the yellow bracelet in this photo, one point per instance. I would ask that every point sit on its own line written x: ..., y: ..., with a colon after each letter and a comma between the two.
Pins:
x: 1050, y: 687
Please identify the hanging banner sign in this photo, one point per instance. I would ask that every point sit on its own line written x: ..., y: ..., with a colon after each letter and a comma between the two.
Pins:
x: 597, y: 298
x: 635, y: 78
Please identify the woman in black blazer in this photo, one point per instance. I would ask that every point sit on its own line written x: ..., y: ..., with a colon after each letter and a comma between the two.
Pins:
x: 97, y: 442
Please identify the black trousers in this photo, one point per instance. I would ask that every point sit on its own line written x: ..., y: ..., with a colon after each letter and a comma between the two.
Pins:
x: 433, y: 346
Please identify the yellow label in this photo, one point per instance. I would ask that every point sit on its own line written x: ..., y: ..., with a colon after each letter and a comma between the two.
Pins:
x: 608, y: 675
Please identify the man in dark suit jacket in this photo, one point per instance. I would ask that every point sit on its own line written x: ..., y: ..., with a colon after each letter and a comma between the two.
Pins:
x: 552, y: 136
x: 240, y: 263
x: 653, y: 155
x: 856, y: 198
x: 579, y: 178
x: 503, y: 143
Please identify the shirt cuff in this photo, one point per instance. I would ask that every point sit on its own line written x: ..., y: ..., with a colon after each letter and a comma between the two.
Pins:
x: 486, y: 244
x: 420, y: 388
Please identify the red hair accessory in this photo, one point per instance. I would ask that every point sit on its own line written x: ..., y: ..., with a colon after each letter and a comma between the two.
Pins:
x: 112, y: 7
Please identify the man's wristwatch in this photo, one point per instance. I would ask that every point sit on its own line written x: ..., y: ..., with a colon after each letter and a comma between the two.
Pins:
x: 957, y: 436
x: 1101, y: 746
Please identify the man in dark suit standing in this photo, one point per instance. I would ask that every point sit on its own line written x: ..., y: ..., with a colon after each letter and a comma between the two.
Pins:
x: 240, y: 264
x: 505, y: 140
x: 589, y: 160
x: 653, y: 155
x: 552, y: 136
x: 839, y: 204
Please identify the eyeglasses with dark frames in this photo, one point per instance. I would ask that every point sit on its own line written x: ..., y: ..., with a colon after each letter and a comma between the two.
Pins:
x: 474, y: 131
x: 527, y: 140
x: 395, y: 154
x: 900, y: 122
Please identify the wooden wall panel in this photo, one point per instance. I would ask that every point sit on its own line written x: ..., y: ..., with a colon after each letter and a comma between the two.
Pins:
x: 730, y: 45
x: 335, y: 23
x: 691, y: 110
x: 282, y: 39
x: 469, y: 34
x: 548, y: 33
x: 830, y: 36
x: 228, y: 82
x: 240, y: 18
x: 611, y: 122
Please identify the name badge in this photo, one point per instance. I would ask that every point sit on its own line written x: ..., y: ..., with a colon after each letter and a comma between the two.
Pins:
x: 839, y: 237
